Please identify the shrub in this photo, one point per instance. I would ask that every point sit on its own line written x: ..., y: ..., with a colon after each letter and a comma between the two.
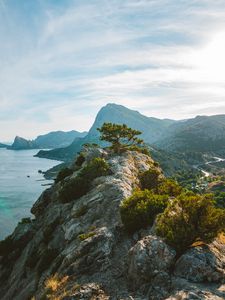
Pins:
x: 80, y: 160
x: 65, y: 172
x: 149, y: 179
x: 96, y: 168
x: 190, y: 218
x: 25, y: 221
x: 169, y: 187
x: 74, y: 189
x: 140, y: 210
x: 80, y: 185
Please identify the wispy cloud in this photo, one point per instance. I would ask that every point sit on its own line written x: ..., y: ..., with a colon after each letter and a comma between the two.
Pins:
x: 60, y: 62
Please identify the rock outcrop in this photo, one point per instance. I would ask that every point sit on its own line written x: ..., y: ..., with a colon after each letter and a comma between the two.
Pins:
x: 83, y: 243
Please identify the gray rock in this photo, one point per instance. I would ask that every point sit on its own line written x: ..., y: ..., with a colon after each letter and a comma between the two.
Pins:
x: 203, y: 263
x: 149, y: 257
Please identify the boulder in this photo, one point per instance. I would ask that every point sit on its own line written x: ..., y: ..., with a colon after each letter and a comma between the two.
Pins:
x: 202, y: 263
x: 148, y: 258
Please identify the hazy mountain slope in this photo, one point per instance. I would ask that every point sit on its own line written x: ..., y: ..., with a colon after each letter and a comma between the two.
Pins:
x: 3, y: 145
x: 200, y: 134
x: 58, y: 139
x: 55, y: 139
x: 152, y: 128
x: 22, y: 144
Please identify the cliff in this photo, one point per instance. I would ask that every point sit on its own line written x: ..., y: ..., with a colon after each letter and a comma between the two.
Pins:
x: 79, y: 249
x: 22, y: 144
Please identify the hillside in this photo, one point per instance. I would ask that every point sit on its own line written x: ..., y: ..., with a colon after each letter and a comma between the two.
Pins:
x: 79, y: 249
x: 55, y: 139
x: 151, y: 128
x: 201, y: 134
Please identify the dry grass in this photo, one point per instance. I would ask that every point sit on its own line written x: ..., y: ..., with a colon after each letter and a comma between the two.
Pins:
x: 221, y: 238
x: 57, y: 287
x: 198, y: 243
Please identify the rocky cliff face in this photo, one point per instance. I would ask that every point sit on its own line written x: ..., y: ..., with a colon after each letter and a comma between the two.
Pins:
x: 22, y: 144
x: 82, y: 247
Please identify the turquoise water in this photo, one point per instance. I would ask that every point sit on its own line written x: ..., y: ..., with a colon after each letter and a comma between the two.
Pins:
x: 18, y: 191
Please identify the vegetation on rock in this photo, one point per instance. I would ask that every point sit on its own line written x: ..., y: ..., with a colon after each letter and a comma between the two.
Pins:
x: 81, y: 184
x: 149, y: 179
x: 140, y: 210
x: 65, y: 172
x: 189, y: 218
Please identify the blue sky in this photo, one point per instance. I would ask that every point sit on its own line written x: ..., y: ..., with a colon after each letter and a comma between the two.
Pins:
x: 61, y: 61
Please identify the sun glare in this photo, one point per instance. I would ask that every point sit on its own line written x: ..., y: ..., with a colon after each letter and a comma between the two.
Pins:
x: 210, y: 60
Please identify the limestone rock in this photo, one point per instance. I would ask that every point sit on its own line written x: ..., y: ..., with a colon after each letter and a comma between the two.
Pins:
x: 203, y: 263
x: 148, y: 258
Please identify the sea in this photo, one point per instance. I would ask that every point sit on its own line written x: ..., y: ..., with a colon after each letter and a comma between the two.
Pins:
x: 21, y: 183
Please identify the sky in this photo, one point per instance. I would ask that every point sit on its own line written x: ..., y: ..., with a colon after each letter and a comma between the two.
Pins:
x: 62, y: 60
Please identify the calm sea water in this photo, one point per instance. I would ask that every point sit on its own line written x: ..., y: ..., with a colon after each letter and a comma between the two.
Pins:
x: 18, y: 191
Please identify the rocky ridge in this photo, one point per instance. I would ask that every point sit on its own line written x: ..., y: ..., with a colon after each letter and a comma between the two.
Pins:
x: 84, y: 242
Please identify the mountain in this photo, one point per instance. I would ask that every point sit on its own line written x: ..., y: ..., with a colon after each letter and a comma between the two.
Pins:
x: 53, y: 139
x: 22, y: 144
x: 81, y: 250
x: 201, y: 134
x: 58, y: 139
x: 3, y: 145
x: 151, y: 128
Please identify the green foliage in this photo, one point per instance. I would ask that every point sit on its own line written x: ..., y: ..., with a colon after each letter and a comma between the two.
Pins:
x: 65, y: 172
x: 169, y: 187
x: 80, y: 185
x: 219, y: 199
x: 73, y: 189
x: 85, y: 236
x: 121, y: 137
x: 190, y: 218
x: 140, y: 210
x: 25, y: 221
x: 149, y: 179
x: 80, y: 160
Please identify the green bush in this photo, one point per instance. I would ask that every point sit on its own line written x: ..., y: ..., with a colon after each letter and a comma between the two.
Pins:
x: 96, y: 168
x: 140, y: 210
x: 149, y: 179
x: 169, y: 187
x: 65, y: 172
x: 190, y: 218
x: 25, y: 221
x: 80, y: 185
x: 80, y: 160
x: 74, y: 189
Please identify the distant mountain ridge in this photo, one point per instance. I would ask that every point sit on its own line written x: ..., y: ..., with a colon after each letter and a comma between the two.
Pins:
x: 202, y: 134
x: 53, y: 139
x: 199, y: 134
x: 3, y: 145
x: 151, y: 129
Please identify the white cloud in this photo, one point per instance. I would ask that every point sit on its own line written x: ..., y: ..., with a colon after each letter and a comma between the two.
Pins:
x: 148, y: 55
